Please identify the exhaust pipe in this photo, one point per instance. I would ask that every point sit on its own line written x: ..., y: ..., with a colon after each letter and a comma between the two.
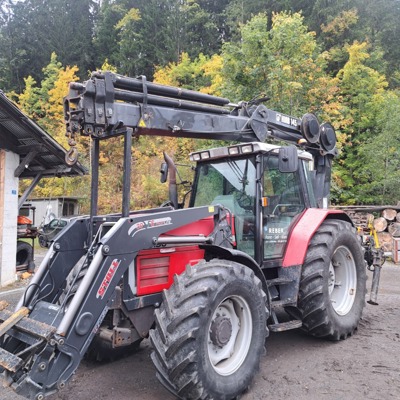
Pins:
x: 173, y: 189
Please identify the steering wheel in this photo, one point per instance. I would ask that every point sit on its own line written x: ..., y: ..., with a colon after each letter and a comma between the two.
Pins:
x: 167, y: 203
x: 244, y: 200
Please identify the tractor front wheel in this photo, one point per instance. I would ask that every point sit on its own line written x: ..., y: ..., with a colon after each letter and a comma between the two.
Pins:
x: 210, y: 331
x: 333, y: 282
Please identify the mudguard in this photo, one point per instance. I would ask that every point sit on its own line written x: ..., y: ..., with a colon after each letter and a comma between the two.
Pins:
x: 304, y: 229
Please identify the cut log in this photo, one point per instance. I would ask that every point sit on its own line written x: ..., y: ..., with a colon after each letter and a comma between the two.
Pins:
x: 370, y: 220
x: 380, y: 224
x: 398, y: 217
x: 394, y: 229
x: 385, y: 241
x: 389, y: 214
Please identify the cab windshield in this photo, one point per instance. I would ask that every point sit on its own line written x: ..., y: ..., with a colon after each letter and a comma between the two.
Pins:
x: 231, y: 183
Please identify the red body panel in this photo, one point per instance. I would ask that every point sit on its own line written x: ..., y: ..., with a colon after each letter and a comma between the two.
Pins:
x: 202, y: 227
x: 302, y: 233
x: 156, y: 268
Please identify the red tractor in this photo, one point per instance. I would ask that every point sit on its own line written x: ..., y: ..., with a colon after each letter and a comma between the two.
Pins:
x: 256, y: 250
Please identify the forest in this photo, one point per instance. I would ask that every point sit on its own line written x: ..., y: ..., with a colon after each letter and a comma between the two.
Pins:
x: 339, y: 59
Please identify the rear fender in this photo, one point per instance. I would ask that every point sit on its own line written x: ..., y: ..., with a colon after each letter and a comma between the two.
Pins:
x: 304, y: 230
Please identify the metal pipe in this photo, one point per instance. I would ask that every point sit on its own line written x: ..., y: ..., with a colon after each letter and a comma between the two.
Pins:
x: 373, y: 299
x: 167, y: 102
x: 181, y: 239
x: 81, y: 293
x: 126, y: 190
x: 173, y: 190
x: 94, y: 184
x: 136, y: 85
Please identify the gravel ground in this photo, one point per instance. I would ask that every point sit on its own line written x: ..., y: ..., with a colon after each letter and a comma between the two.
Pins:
x: 366, y: 366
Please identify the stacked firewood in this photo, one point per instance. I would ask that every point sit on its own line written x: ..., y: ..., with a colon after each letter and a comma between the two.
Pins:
x: 386, y: 223
x: 387, y: 226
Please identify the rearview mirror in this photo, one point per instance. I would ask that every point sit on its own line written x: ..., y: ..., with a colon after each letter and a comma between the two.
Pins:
x: 164, y: 172
x: 288, y: 159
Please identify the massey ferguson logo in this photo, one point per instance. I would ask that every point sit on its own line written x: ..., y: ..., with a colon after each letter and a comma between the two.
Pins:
x: 151, y: 223
x: 107, y: 279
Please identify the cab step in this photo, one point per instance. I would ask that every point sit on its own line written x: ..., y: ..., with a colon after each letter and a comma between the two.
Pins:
x: 278, y: 281
x: 285, y: 326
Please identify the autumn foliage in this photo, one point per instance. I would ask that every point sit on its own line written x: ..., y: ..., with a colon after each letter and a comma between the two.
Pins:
x: 277, y: 57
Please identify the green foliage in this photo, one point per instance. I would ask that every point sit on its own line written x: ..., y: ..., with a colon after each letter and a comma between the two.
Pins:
x: 34, y: 29
x: 282, y: 63
x: 203, y: 73
x: 377, y: 173
x: 362, y: 95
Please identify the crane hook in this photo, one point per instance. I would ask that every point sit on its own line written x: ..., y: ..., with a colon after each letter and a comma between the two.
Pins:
x: 72, y: 154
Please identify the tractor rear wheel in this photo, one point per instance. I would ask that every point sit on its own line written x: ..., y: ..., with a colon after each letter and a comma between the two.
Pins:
x: 210, y: 331
x: 333, y: 282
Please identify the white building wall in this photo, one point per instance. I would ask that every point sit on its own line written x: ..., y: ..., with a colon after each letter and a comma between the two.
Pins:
x: 46, y: 210
x: 8, y: 216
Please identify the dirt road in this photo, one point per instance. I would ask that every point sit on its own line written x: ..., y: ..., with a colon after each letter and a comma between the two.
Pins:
x: 366, y: 366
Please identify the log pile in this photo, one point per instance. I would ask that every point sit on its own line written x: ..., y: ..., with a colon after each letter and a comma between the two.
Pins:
x: 385, y: 220
x: 387, y: 226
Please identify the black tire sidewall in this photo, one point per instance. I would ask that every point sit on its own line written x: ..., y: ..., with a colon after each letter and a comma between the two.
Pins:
x: 24, y: 253
x: 230, y: 386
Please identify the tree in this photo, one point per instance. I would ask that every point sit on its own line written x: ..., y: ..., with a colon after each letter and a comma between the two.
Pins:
x: 130, y: 42
x: 203, y: 73
x: 362, y: 92
x: 282, y: 63
x: 33, y: 29
x: 106, y: 40
x: 380, y: 157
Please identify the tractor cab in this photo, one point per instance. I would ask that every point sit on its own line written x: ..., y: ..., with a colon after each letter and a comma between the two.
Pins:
x: 264, y: 186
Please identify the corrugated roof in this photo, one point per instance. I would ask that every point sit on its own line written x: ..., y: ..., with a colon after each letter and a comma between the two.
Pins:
x: 21, y: 135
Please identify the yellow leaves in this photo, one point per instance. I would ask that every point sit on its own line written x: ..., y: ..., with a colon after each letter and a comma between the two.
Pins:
x: 341, y: 23
x: 28, y: 98
x: 60, y: 89
x: 357, y: 52
x: 213, y: 68
x: 202, y: 74
x: 108, y: 67
x: 131, y: 16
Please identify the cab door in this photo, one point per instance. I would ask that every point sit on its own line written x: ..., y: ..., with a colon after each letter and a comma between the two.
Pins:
x: 284, y: 201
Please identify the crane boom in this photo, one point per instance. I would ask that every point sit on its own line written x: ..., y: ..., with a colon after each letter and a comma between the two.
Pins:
x: 107, y: 102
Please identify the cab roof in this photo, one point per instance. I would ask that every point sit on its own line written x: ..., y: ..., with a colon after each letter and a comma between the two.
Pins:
x: 241, y: 149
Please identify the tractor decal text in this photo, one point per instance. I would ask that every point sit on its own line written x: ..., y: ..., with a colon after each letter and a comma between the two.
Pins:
x: 151, y: 223
x: 108, y: 278
x: 286, y: 119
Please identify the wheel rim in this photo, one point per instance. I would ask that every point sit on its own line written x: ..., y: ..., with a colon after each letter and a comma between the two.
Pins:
x: 342, y: 282
x: 229, y: 335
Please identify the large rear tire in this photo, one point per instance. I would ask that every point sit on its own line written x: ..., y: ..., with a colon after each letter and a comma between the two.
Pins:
x: 210, y: 331
x: 333, y: 282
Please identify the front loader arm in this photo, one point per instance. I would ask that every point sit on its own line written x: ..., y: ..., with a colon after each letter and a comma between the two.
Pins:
x: 40, y: 352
